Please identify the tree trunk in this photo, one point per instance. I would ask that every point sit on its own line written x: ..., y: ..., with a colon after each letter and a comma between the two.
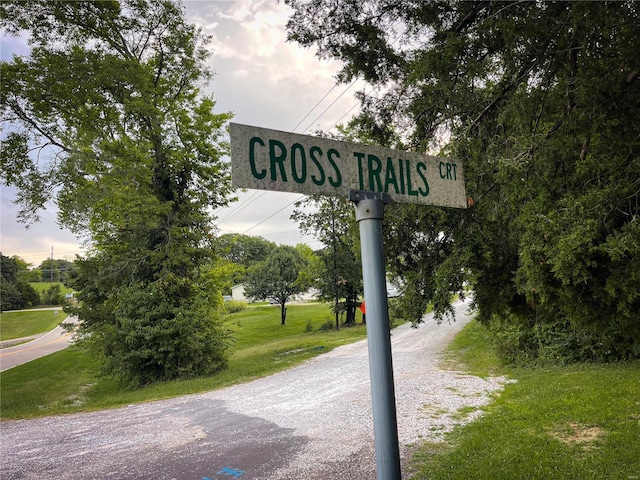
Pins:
x: 351, y: 315
x: 283, y: 313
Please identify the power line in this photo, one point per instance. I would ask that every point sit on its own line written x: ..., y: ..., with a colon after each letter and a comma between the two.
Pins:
x: 231, y: 206
x: 32, y: 258
x: 344, y: 115
x: 331, y: 105
x: 274, y: 214
x: 316, y: 105
x: 238, y: 209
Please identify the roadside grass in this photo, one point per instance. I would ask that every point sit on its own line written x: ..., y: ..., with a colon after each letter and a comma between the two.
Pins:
x: 23, y: 324
x: 473, y: 351
x: 51, y: 384
x: 67, y: 381
x: 580, y: 421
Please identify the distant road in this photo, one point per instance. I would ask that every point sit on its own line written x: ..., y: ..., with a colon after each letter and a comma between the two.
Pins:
x: 57, y: 339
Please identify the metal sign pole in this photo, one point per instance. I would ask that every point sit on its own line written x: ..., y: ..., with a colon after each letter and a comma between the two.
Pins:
x: 369, y: 214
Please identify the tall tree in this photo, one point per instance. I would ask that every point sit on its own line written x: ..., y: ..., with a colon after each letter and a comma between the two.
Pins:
x: 540, y: 101
x: 107, y: 118
x: 24, y: 272
x: 339, y: 276
x: 279, y: 277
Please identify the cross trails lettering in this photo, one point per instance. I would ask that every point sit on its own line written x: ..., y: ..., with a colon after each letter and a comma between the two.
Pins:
x: 301, y: 166
x: 272, y: 160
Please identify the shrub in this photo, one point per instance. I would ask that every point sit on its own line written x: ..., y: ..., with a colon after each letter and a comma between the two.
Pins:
x: 15, y: 296
x: 156, y: 331
x: 328, y: 325
x: 234, y: 306
x: 309, y: 327
x: 28, y: 294
x: 523, y: 341
x: 10, y: 297
x: 53, y: 296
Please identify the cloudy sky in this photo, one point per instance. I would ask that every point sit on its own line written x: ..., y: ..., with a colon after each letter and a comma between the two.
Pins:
x: 264, y: 81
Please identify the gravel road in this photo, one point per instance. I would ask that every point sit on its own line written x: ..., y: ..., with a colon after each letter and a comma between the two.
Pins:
x: 310, y: 422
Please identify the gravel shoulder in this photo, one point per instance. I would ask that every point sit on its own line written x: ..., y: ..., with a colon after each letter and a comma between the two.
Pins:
x: 312, y: 421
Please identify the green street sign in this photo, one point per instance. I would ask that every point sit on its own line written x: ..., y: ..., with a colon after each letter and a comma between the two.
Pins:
x: 267, y: 159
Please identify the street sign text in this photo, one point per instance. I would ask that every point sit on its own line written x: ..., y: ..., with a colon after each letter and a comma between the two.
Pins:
x: 272, y: 160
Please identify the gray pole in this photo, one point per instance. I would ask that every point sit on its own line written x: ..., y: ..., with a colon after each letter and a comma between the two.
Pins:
x: 369, y: 214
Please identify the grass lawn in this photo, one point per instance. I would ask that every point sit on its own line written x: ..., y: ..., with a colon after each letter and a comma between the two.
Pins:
x: 67, y: 381
x: 581, y: 421
x: 23, y: 324
x: 44, y: 286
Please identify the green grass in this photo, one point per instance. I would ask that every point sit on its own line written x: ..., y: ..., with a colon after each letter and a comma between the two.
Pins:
x: 44, y: 286
x: 581, y: 421
x: 50, y: 384
x: 23, y: 324
x: 473, y: 351
x: 67, y: 381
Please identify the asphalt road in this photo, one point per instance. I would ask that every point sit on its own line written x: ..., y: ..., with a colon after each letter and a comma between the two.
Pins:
x: 309, y: 422
x: 53, y: 341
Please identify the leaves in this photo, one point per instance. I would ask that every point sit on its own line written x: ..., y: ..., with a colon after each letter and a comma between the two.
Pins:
x: 107, y: 120
x: 278, y: 277
x: 539, y: 101
x: 338, y: 271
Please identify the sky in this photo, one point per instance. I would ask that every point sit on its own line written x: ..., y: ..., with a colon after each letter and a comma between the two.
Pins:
x: 260, y: 77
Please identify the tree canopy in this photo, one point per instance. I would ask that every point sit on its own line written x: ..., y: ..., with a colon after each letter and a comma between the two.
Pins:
x: 243, y: 251
x: 338, y: 273
x: 15, y: 291
x: 279, y: 277
x: 106, y: 116
x: 54, y: 270
x: 540, y: 102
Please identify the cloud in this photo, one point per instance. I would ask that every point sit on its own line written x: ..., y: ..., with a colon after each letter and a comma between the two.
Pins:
x: 251, y: 55
x: 33, y: 243
x: 262, y: 78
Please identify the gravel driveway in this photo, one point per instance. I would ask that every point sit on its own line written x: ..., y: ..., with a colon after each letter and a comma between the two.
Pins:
x: 310, y: 422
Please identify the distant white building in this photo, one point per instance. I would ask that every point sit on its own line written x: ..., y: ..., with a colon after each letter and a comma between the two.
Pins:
x: 309, y: 295
x: 237, y: 293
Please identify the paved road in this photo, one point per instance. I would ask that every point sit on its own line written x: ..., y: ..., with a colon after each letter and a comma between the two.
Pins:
x: 309, y: 422
x: 57, y: 339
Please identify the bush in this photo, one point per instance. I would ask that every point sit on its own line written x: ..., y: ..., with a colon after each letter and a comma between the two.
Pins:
x: 29, y: 296
x: 52, y: 296
x: 328, y: 325
x: 234, y: 306
x: 155, y: 332
x: 523, y: 341
x: 9, y: 296
x: 309, y: 327
x: 15, y: 296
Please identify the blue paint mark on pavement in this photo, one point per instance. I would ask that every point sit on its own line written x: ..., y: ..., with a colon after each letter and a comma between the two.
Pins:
x: 230, y: 472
